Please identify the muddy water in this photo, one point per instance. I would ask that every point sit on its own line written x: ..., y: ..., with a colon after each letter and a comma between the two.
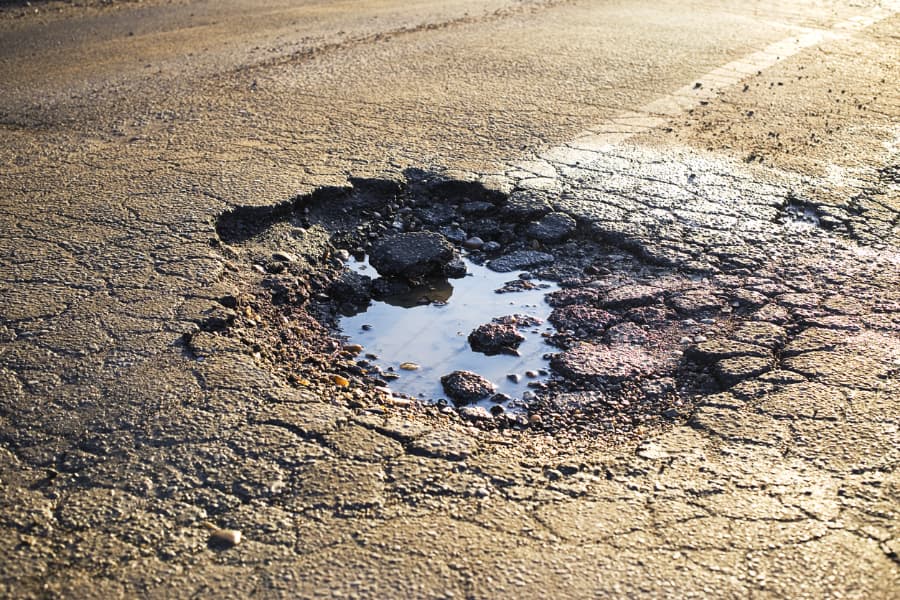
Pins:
x: 434, y: 335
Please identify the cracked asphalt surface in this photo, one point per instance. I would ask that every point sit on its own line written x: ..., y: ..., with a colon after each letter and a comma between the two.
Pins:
x: 127, y: 129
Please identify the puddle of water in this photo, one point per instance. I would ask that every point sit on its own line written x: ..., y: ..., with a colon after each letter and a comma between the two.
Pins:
x: 435, y: 336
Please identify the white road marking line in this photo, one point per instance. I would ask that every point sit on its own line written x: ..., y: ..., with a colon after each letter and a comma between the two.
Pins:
x: 541, y: 173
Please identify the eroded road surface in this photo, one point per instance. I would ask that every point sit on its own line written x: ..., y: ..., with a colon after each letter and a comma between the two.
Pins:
x: 683, y: 379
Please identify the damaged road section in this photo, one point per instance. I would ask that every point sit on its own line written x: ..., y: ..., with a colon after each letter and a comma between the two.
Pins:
x: 635, y: 337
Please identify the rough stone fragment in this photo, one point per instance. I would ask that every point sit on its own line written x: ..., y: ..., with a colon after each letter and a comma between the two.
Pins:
x: 520, y: 259
x: 475, y: 413
x: 412, y: 255
x: 495, y: 338
x: 351, y: 287
x: 465, y: 387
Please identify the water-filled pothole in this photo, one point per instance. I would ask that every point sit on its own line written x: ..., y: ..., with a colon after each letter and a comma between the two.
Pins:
x: 419, y: 336
x: 632, y: 341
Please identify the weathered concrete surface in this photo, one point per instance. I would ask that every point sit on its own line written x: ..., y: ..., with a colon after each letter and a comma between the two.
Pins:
x: 118, y: 151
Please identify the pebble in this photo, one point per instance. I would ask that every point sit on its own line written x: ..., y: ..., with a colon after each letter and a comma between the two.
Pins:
x: 699, y: 339
x: 473, y: 243
x: 553, y: 474
x: 514, y: 377
x: 340, y: 381
x: 409, y: 366
x: 225, y: 538
x: 284, y: 256
x: 343, y: 255
x: 531, y: 374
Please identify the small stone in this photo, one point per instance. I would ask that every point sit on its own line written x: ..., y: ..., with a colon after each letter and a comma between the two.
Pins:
x: 670, y: 413
x: 224, y: 538
x: 553, y: 474
x: 514, y: 377
x: 342, y: 255
x: 535, y: 420
x: 340, y: 381
x: 491, y: 247
x: 474, y: 243
x: 531, y: 374
x: 495, y: 338
x: 409, y: 366
x: 397, y: 401
x: 353, y: 348
x: 482, y: 493
x: 284, y: 256
x: 465, y: 387
x: 475, y: 413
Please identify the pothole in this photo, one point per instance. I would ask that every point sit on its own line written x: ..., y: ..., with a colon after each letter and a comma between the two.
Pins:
x: 585, y: 337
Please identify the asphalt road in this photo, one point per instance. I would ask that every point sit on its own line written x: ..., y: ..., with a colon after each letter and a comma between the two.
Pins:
x: 751, y: 149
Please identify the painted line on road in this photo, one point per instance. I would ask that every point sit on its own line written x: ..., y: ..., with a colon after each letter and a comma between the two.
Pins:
x: 541, y: 174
